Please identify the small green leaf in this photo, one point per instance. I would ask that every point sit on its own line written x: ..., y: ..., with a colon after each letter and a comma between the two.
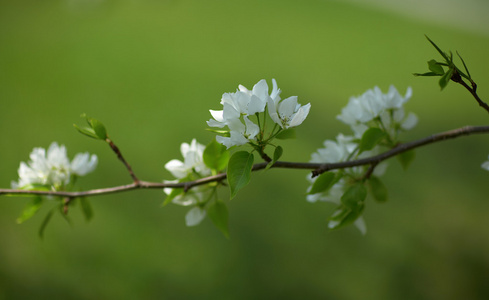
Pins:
x: 86, y: 131
x: 344, y: 216
x: 426, y: 74
x: 323, y: 183
x: 379, y: 191
x: 445, y: 79
x: 216, y: 156
x: 30, y: 209
x: 370, y: 139
x: 174, y: 192
x: 405, y: 158
x: 466, y: 69
x: 239, y: 171
x: 45, y: 222
x: 218, y: 213
x: 354, y: 196
x: 86, y: 208
x: 219, y: 131
x: 286, y: 134
x: 99, y: 128
x: 276, y: 156
x: 445, y: 56
x: 96, y: 130
x: 435, y: 67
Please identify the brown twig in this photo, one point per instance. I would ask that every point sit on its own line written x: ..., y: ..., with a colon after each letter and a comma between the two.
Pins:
x: 472, y: 90
x: 316, y: 167
x: 121, y: 158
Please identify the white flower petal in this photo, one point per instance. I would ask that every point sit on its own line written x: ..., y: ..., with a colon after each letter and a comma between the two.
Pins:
x: 275, y: 95
x: 194, y: 216
x: 83, y: 163
x: 261, y: 90
x: 360, y: 224
x: 251, y: 128
x: 300, y: 116
x: 272, y: 111
x: 410, y: 121
x: 256, y: 105
x: 485, y: 165
x: 217, y: 115
x: 287, y: 107
x: 176, y: 168
x: 214, y: 123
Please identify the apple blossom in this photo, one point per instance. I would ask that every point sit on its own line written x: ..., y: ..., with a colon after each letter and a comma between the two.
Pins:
x: 53, y: 168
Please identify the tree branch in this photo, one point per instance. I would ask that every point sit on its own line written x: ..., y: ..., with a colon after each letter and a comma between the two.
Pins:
x: 121, y: 158
x: 473, y: 90
x: 316, y: 167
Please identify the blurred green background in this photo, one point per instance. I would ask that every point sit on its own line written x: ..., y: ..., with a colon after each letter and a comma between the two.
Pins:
x: 150, y: 71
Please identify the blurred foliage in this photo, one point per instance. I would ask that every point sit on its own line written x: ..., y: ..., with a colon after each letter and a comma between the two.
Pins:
x: 151, y: 70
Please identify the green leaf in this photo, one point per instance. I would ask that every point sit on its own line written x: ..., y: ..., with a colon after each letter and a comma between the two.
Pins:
x: 45, y: 222
x: 218, y: 213
x: 86, y: 131
x: 445, y: 56
x: 216, y: 156
x: 435, y: 67
x: 86, y: 208
x: 286, y: 134
x: 465, y: 66
x: 354, y: 196
x: 219, y: 131
x: 370, y: 139
x: 30, y: 209
x: 426, y: 74
x: 445, y: 79
x: 276, y: 156
x: 344, y: 216
x: 96, y: 130
x: 379, y: 191
x: 405, y: 158
x: 323, y: 183
x: 174, y: 192
x: 239, y: 171
x: 99, y: 128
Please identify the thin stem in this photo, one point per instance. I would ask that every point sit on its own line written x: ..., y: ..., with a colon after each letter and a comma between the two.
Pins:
x: 472, y: 90
x: 121, y: 158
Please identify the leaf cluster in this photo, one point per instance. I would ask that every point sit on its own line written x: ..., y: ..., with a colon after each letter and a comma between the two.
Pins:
x: 446, y: 69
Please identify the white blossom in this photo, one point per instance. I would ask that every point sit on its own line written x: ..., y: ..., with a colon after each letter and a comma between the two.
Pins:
x: 373, y: 104
x: 239, y: 106
x: 192, y: 167
x: 286, y: 113
x: 83, y: 163
x: 241, y: 103
x: 240, y: 133
x: 53, y: 167
x: 192, y: 161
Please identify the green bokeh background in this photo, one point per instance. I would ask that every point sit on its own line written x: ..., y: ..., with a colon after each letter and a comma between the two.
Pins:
x: 150, y: 71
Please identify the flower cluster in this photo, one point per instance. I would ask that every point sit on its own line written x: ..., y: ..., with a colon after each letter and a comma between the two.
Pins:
x: 238, y: 107
x: 339, y: 151
x: 193, y: 163
x: 191, y: 168
x: 374, y: 108
x: 53, y: 169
